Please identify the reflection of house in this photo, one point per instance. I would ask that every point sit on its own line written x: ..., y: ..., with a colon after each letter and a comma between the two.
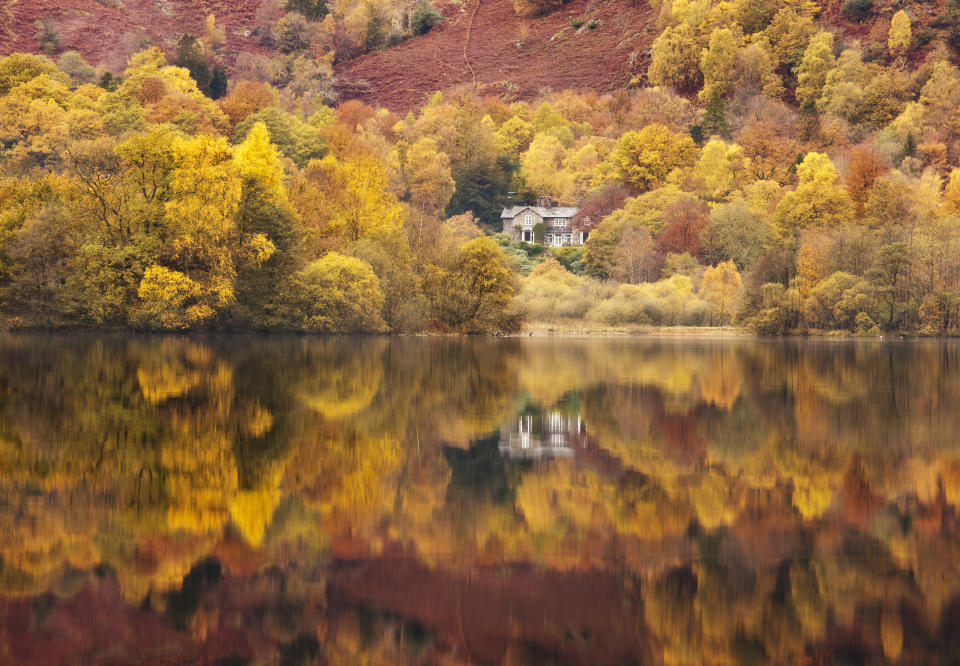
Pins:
x: 536, y: 434
x: 519, y: 223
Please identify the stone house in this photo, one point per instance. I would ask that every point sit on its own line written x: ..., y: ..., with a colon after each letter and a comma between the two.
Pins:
x: 519, y: 223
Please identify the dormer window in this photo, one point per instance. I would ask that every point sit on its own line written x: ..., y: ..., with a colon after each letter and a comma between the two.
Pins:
x: 528, y: 220
x: 560, y: 222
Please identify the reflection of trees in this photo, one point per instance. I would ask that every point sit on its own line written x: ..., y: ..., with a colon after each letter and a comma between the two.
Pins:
x: 768, y: 498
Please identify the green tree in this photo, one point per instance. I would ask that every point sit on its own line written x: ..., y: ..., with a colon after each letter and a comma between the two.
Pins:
x: 314, y: 10
x: 190, y: 56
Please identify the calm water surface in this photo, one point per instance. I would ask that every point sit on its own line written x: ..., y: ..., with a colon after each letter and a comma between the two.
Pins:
x: 245, y: 500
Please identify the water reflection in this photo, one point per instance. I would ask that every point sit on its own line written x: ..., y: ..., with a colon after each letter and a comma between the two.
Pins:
x: 601, y: 501
x: 538, y: 432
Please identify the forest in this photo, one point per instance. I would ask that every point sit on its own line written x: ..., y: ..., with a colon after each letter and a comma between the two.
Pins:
x: 763, y: 171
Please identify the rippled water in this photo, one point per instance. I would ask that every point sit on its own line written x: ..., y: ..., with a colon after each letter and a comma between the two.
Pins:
x: 492, y: 501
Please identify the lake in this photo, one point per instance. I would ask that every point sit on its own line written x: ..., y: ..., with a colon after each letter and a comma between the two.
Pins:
x: 607, y: 500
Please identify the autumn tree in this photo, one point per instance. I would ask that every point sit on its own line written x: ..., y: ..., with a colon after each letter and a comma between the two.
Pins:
x: 864, y: 167
x: 769, y: 139
x: 266, y: 218
x: 473, y: 294
x: 348, y: 199
x: 812, y: 71
x: 635, y: 258
x: 788, y: 35
x: 194, y: 276
x: 721, y: 288
x: 900, y: 35
x: 246, y: 98
x: 675, y: 58
x: 335, y: 294
x: 685, y: 222
x: 542, y: 167
x: 889, y: 273
x: 738, y: 233
x: 718, y: 63
x: 644, y: 159
x: 818, y: 199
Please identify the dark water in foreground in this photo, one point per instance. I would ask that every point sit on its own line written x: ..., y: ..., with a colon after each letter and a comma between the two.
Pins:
x: 440, y: 501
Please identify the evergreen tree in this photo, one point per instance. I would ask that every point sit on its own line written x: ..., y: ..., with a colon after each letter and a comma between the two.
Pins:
x: 218, y: 83
x: 715, y: 117
x: 191, y: 57
x: 314, y: 10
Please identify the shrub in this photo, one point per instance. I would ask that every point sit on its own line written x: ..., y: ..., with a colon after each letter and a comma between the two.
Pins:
x: 48, y: 35
x: 551, y: 292
x: 73, y: 65
x: 864, y: 325
x: 336, y: 294
x: 424, y: 18
x: 576, y: 23
x: 857, y: 9
x: 592, y: 23
x: 294, y: 33
x: 626, y: 307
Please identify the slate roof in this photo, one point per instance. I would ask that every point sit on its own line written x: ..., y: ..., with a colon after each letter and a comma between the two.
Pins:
x: 542, y: 211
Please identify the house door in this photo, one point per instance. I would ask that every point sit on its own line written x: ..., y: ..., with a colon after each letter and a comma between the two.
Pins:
x: 527, y: 236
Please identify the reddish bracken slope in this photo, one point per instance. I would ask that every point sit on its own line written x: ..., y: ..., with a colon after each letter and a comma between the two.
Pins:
x: 483, y: 42
x: 108, y: 30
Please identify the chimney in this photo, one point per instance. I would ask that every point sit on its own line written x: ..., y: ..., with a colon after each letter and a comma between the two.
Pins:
x: 579, y: 202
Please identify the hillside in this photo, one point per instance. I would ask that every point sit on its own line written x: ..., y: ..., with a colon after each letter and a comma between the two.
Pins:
x: 480, y: 42
x: 486, y: 43
x: 106, y: 31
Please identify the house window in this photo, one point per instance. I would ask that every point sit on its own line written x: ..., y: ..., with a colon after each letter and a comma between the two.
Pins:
x: 528, y: 220
x: 567, y: 239
x: 548, y: 239
x: 560, y: 222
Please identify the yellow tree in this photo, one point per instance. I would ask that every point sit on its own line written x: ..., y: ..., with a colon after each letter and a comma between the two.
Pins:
x: 348, y: 199
x: 721, y: 288
x: 644, y: 159
x: 337, y: 294
x: 718, y: 62
x: 427, y: 172
x: 259, y: 164
x: 513, y: 137
x: 720, y: 171
x: 195, y: 272
x: 812, y: 71
x: 675, y: 58
x: 951, y: 194
x: 900, y: 35
x: 818, y: 199
x: 150, y: 81
x: 542, y: 167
